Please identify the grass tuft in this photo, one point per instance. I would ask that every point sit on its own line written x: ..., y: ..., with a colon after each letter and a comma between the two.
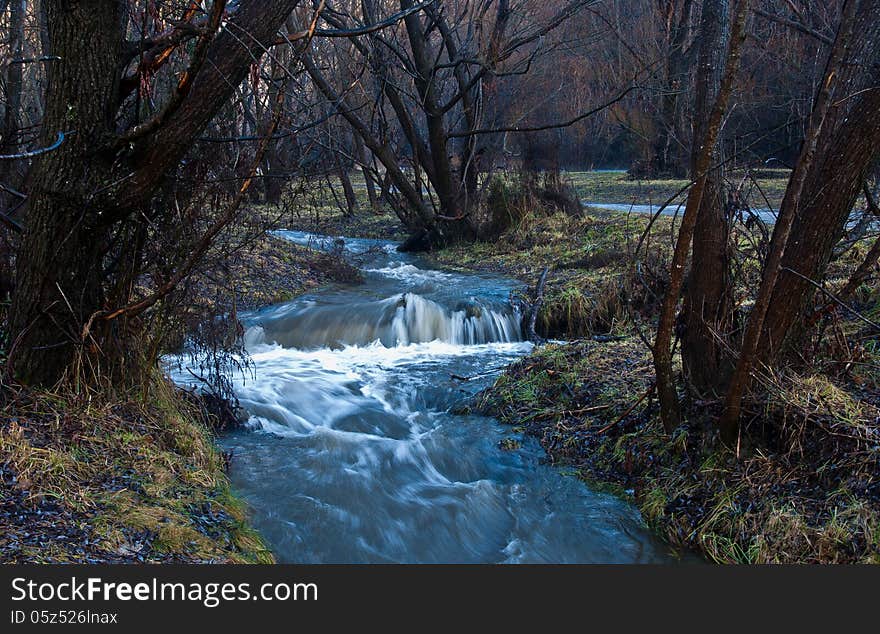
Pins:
x: 136, y: 480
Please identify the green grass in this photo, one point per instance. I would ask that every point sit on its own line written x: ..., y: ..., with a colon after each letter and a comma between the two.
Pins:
x: 139, y: 479
x: 617, y: 187
x: 814, y: 506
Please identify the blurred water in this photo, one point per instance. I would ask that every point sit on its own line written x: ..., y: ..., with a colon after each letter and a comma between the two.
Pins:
x: 357, y: 458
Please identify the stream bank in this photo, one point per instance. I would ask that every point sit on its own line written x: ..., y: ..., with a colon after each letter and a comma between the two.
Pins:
x: 589, y: 403
x: 357, y: 451
x: 137, y: 477
x: 591, y: 407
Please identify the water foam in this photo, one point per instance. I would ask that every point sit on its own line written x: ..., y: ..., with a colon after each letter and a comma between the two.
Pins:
x: 398, y: 321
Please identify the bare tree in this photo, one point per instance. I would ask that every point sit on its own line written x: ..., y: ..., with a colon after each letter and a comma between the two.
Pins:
x: 669, y: 405
x: 102, y: 179
x: 841, y: 133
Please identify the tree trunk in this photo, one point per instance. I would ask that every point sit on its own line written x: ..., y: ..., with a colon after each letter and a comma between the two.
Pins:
x: 351, y: 201
x: 421, y: 217
x: 749, y: 355
x: 708, y: 302
x: 669, y: 406
x: 59, y: 266
x: 92, y: 184
x: 455, y: 224
x: 274, y: 168
x: 849, y: 149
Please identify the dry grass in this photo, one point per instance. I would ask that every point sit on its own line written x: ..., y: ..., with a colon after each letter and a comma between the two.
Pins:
x: 136, y: 478
x: 806, y: 490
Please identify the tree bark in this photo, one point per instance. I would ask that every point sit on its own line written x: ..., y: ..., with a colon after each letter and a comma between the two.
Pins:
x: 13, y: 92
x: 849, y: 148
x: 789, y: 210
x: 708, y: 302
x: 369, y: 182
x: 442, y: 178
x: 91, y: 184
x: 59, y: 266
x: 666, y: 392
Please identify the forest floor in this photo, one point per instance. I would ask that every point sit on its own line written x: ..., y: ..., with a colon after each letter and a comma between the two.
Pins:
x: 805, y: 487
x: 99, y: 476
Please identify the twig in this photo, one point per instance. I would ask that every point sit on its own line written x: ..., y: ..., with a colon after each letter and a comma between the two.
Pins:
x: 630, y: 410
x: 834, y: 298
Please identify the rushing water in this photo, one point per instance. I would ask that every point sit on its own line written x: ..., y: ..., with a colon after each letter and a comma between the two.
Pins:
x: 356, y: 456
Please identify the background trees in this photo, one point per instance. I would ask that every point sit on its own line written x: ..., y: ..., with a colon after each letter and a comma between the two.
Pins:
x: 128, y: 154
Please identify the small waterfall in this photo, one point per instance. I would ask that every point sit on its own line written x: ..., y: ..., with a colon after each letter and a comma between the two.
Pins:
x: 419, y: 320
x: 401, y: 320
x: 360, y: 456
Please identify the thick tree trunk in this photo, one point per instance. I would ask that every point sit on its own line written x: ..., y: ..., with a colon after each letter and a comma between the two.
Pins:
x: 93, y: 183
x: 59, y: 266
x: 850, y: 147
x: 669, y: 406
x: 708, y: 301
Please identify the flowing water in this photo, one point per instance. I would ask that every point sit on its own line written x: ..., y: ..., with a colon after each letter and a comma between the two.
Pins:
x: 356, y: 456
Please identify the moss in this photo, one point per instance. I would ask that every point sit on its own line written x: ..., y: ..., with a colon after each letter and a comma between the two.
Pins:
x: 140, y: 480
x: 818, y: 504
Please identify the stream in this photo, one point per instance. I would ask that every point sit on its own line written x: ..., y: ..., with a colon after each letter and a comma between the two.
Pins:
x: 355, y: 455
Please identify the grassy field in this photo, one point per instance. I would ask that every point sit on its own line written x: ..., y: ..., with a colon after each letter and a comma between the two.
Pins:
x: 617, y: 187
